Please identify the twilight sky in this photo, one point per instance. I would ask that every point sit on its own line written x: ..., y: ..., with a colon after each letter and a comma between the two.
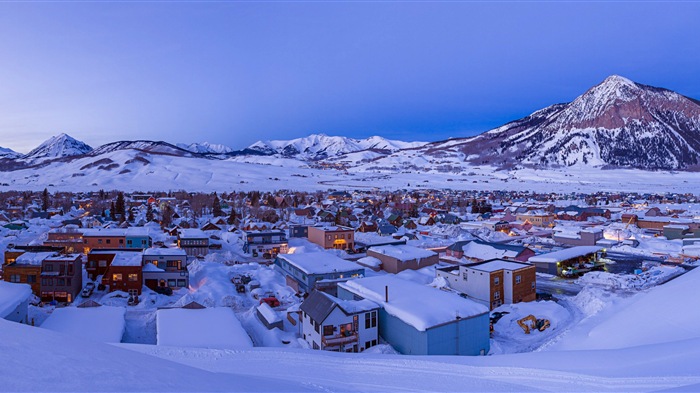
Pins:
x: 236, y: 72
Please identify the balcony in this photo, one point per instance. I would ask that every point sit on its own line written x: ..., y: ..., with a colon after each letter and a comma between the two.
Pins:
x: 334, y: 341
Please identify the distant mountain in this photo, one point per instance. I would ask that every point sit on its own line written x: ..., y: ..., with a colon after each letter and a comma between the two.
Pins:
x: 205, y: 148
x: 59, y: 146
x: 155, y: 147
x: 616, y: 124
x: 320, y: 146
x: 8, y: 153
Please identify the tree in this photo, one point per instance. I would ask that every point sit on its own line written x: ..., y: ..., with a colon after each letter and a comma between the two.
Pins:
x: 167, y: 217
x: 119, y: 207
x: 149, y: 213
x: 45, y: 200
x: 216, y: 207
x: 232, y: 217
x: 112, y: 212
x: 131, y: 216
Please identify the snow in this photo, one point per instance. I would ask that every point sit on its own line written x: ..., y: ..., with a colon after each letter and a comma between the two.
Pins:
x: 11, y: 296
x: 126, y: 259
x: 201, y: 328
x: 103, y: 324
x: 33, y: 258
x: 160, y: 251
x: 498, y: 265
x: 268, y: 313
x: 418, y: 305
x: 567, y: 253
x: 319, y: 262
x: 403, y: 252
x: 370, y: 262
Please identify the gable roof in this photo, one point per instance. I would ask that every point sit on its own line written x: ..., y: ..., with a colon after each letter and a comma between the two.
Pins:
x: 317, y: 306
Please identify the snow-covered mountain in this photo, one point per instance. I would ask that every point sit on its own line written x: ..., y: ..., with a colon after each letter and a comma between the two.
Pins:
x: 205, y: 148
x: 8, y: 153
x: 58, y: 146
x: 143, y: 146
x: 616, y: 124
x: 320, y: 146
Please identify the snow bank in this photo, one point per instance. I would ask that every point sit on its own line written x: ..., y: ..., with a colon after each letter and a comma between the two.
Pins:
x: 11, y: 296
x: 203, y: 328
x: 103, y: 324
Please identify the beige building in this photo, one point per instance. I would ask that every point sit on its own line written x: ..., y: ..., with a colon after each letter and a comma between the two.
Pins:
x: 337, y: 237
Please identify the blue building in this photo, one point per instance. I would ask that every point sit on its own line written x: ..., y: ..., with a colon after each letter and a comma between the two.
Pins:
x: 138, y: 237
x: 299, y: 231
x: 316, y: 270
x: 419, y: 320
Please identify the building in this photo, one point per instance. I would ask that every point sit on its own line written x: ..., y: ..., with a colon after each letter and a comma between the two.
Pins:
x: 267, y: 242
x: 14, y: 301
x: 96, y: 239
x: 420, y: 320
x: 299, y: 231
x: 138, y: 237
x: 26, y: 269
x: 13, y: 251
x: 336, y: 237
x: 70, y: 238
x: 61, y: 277
x: 577, y: 236
x: 316, y: 270
x: 194, y: 241
x: 331, y: 324
x: 125, y: 273
x: 165, y: 267
x: 399, y: 258
x: 580, y: 258
x: 493, y: 282
x: 98, y: 261
x: 537, y: 218
x: 479, y: 251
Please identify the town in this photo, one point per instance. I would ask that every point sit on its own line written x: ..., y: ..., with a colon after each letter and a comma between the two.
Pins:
x: 415, y: 272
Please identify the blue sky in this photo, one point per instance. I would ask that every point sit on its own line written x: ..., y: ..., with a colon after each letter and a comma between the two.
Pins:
x: 234, y: 73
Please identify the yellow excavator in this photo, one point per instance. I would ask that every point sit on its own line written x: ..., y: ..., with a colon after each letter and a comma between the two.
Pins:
x: 530, y: 322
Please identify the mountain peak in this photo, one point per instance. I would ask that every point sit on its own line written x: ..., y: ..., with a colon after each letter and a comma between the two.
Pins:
x: 61, y: 145
x: 618, y: 80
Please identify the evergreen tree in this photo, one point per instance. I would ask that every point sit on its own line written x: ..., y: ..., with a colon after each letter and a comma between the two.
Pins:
x: 131, y: 216
x: 45, y: 200
x: 119, y: 207
x: 216, y: 207
x: 112, y: 209
x: 149, y: 213
x: 167, y: 217
x: 232, y: 217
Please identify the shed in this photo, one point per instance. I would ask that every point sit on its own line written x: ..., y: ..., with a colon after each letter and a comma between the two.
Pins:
x: 269, y: 317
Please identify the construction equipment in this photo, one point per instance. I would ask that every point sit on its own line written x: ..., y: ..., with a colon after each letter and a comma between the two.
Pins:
x: 530, y: 322
x: 629, y: 222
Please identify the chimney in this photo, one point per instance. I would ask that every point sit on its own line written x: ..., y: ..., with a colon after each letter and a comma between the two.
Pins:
x: 386, y: 293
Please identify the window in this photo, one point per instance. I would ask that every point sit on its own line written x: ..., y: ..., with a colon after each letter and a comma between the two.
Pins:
x: 465, y: 275
x: 367, y: 320
x: 48, y: 267
x: 181, y: 283
x: 496, y: 280
x: 316, y: 346
x: 172, y: 283
x: 374, y: 319
x: 70, y: 269
x: 317, y: 327
x: 129, y: 243
x: 497, y: 295
x: 109, y: 241
x: 533, y: 285
x: 69, y: 282
x: 102, y: 263
x: 328, y: 330
x: 31, y: 279
x: 99, y: 241
x: 374, y: 342
x: 133, y: 277
x: 61, y: 282
x: 14, y: 278
x: 121, y: 241
x: 368, y: 344
x: 116, y: 277
x: 518, y: 279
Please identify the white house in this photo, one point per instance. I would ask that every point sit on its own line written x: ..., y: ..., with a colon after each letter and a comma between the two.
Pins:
x: 332, y: 324
x: 14, y: 301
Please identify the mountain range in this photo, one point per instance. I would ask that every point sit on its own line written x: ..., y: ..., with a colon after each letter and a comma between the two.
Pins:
x: 617, y: 124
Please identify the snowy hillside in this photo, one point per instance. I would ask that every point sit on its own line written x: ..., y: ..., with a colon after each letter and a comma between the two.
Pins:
x: 8, y: 153
x: 205, y: 148
x: 59, y: 146
x: 320, y: 146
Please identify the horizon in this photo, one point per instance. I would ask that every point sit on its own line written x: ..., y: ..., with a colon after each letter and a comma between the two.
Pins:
x: 236, y: 73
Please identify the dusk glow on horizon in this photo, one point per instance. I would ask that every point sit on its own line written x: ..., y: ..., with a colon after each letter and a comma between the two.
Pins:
x: 234, y: 73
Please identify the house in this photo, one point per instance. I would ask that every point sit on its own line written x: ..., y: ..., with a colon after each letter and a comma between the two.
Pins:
x: 138, y: 237
x: 100, y: 324
x: 70, y: 238
x: 13, y: 251
x: 538, y: 218
x: 14, y: 301
x: 417, y: 319
x: 125, y: 273
x: 26, y: 269
x: 367, y: 226
x: 399, y: 258
x: 100, y: 238
x: 316, y: 270
x: 194, y: 241
x: 426, y: 221
x: 197, y: 327
x: 386, y: 229
x: 478, y: 251
x: 271, y: 242
x: 577, y: 236
x: 493, y: 282
x: 336, y: 237
x: 210, y: 226
x: 331, y: 324
x: 299, y: 231
x: 61, y: 277
x: 581, y: 258
x: 165, y: 267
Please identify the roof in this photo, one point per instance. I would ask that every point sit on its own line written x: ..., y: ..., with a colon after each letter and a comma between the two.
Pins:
x: 567, y: 253
x: 160, y: 251
x: 126, y: 259
x: 420, y: 306
x: 403, y: 252
x: 101, y: 232
x: 11, y: 296
x: 319, y: 263
x: 192, y: 233
x: 319, y: 305
x: 201, y: 328
x: 498, y: 264
x: 32, y: 258
x: 104, y: 324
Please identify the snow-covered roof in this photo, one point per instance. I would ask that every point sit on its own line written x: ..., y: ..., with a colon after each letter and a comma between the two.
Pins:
x: 127, y: 259
x: 32, y: 258
x: 486, y: 251
x: 492, y: 266
x: 101, y: 232
x: 201, y: 328
x: 63, y: 257
x: 137, y: 231
x: 192, y: 233
x: 319, y: 262
x: 567, y: 253
x: 104, y: 324
x: 403, y: 252
x: 159, y: 251
x: 268, y: 313
x: 151, y: 267
x: 370, y: 261
x: 418, y: 305
x: 11, y: 296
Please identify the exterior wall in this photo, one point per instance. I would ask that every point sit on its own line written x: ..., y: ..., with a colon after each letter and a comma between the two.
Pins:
x: 340, y: 239
x: 71, y: 241
x: 11, y: 256
x: 478, y: 286
x: 97, y: 264
x: 538, y: 220
x: 526, y: 290
x: 124, y: 283
x: 28, y: 274
x: 299, y: 231
x: 66, y: 284
x: 100, y: 242
x: 586, y: 239
x: 138, y: 241
x: 194, y: 247
x: 174, y: 275
x: 356, y: 341
x: 546, y: 267
x: 307, y: 282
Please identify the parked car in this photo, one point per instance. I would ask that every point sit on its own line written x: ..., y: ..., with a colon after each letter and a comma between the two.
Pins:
x: 89, y: 288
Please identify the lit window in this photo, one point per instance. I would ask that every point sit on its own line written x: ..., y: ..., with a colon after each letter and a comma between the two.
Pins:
x: 116, y: 277
x: 133, y: 277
